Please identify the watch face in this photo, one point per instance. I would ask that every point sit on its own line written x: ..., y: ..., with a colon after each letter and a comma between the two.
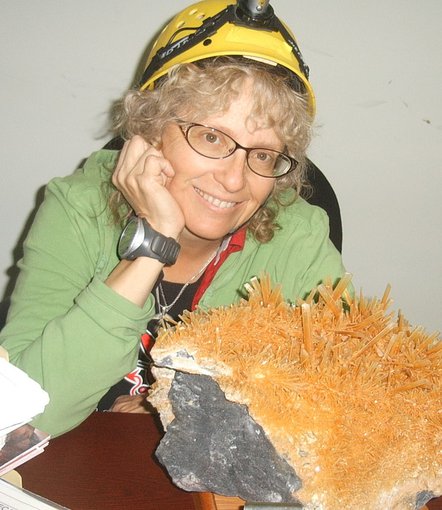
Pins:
x: 139, y: 239
x: 131, y: 237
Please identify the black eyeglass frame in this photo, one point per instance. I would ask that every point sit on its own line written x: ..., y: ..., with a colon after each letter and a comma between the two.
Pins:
x: 185, y: 128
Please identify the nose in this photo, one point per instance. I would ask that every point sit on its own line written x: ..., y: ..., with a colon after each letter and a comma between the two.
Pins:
x: 232, y: 172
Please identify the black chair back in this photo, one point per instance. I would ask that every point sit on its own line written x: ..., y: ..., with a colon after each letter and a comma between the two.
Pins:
x: 4, y: 307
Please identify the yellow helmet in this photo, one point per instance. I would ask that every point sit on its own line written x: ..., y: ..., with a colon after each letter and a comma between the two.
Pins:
x: 212, y: 28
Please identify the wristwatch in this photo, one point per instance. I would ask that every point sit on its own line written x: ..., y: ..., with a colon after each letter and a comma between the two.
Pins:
x: 139, y: 239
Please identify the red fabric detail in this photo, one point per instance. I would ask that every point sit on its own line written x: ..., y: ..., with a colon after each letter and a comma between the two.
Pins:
x: 236, y: 243
x: 136, y: 379
x: 147, y: 342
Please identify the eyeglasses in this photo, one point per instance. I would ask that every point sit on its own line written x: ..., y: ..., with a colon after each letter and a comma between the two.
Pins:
x: 214, y: 144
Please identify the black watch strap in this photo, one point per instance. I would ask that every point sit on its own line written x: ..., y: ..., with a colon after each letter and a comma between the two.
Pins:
x: 139, y: 239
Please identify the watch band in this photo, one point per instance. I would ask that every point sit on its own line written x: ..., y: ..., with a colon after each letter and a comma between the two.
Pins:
x: 139, y: 239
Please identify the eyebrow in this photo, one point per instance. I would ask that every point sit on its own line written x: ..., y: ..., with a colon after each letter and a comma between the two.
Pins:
x: 227, y: 132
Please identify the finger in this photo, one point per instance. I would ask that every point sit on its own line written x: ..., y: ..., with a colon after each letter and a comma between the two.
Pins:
x: 128, y: 160
x: 122, y: 158
x: 132, y: 151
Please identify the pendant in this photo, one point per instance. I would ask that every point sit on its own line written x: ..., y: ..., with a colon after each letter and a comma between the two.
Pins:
x: 163, y: 317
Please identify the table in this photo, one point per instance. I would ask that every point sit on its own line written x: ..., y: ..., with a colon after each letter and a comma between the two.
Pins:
x: 108, y: 463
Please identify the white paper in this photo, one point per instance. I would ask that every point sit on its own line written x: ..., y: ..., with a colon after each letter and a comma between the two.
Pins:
x: 21, y: 398
x: 15, y: 498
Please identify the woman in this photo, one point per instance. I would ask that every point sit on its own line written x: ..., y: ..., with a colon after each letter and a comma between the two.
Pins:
x: 207, y: 180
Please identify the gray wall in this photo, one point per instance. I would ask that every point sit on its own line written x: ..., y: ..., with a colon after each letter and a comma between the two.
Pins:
x: 376, y: 70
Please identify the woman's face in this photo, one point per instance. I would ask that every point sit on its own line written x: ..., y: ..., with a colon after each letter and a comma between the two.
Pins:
x: 217, y: 196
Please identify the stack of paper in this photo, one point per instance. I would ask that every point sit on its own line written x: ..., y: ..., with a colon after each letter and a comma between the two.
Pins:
x: 21, y: 399
x: 16, y: 498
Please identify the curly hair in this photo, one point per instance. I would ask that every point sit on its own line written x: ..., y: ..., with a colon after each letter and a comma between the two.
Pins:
x: 213, y: 84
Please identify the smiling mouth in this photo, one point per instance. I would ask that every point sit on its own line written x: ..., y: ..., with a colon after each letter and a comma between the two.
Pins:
x: 221, y: 204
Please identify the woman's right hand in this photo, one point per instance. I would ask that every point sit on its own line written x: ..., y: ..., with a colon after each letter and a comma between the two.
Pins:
x: 141, y: 175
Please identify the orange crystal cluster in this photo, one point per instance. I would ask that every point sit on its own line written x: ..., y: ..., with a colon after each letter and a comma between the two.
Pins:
x: 348, y: 393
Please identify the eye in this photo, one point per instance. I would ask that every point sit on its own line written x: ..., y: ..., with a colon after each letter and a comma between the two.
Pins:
x: 263, y: 156
x: 214, y: 140
x: 267, y: 158
x: 211, y: 137
x: 209, y: 141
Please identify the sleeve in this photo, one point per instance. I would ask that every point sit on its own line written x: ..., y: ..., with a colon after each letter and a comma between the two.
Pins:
x: 66, y: 328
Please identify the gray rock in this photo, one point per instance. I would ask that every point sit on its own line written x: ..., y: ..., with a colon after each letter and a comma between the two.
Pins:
x: 422, y: 498
x: 213, y: 445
